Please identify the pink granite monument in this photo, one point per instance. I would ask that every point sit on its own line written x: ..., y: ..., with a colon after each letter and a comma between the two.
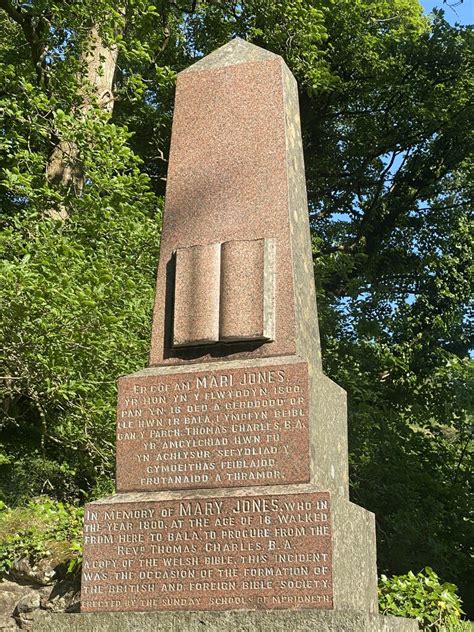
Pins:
x: 232, y: 468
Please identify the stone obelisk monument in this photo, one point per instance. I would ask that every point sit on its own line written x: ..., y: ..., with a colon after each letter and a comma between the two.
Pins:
x: 232, y: 506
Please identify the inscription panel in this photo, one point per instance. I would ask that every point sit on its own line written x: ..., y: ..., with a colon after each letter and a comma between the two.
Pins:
x: 220, y: 428
x: 226, y: 553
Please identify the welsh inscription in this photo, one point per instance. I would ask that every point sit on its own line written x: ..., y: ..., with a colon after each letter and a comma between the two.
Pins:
x: 222, y: 428
x: 209, y: 554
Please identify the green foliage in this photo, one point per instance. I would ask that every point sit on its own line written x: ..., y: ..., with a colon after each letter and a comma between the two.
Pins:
x: 423, y: 597
x: 387, y: 115
x: 43, y: 529
x: 76, y: 295
x: 82, y: 294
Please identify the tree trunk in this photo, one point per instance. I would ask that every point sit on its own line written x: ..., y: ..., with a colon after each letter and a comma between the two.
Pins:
x: 98, y: 61
x: 64, y: 165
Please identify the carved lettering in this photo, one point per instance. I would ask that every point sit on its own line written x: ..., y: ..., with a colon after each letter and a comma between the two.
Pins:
x: 226, y: 427
x: 217, y: 553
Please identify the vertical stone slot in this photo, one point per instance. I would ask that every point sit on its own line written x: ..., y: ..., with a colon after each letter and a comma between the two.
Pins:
x: 196, y: 295
x: 247, y: 304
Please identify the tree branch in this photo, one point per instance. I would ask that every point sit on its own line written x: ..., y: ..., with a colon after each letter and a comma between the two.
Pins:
x: 12, y: 11
x: 34, y: 36
x: 185, y: 9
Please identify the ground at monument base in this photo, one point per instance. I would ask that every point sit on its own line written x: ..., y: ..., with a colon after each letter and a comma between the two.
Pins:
x: 231, y: 621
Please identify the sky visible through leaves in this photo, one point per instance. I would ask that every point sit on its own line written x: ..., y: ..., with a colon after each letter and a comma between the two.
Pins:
x: 454, y: 10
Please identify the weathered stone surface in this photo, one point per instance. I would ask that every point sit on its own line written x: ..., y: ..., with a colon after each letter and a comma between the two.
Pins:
x: 26, y: 606
x: 289, y: 621
x: 42, y: 573
x: 350, y: 562
x: 18, y: 603
x: 226, y: 425
x: 208, y: 552
x: 247, y: 290
x: 64, y: 597
x: 354, y: 557
x: 237, y: 51
x: 21, y: 603
x: 197, y: 295
x: 262, y: 521
x: 27, y: 603
x: 327, y: 422
x: 9, y: 596
x: 328, y: 434
x: 232, y: 176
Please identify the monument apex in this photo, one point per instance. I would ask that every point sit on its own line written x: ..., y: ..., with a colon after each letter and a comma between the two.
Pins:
x: 236, y: 174
x: 237, y: 51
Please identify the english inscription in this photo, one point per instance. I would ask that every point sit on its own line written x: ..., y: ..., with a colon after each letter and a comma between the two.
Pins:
x: 209, y: 554
x: 222, y: 428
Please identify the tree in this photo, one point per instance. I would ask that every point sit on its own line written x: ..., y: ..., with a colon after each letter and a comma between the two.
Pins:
x: 386, y: 101
x: 81, y: 229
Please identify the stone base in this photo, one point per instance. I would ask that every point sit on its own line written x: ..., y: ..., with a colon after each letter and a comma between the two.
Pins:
x: 300, y: 621
x: 288, y: 547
